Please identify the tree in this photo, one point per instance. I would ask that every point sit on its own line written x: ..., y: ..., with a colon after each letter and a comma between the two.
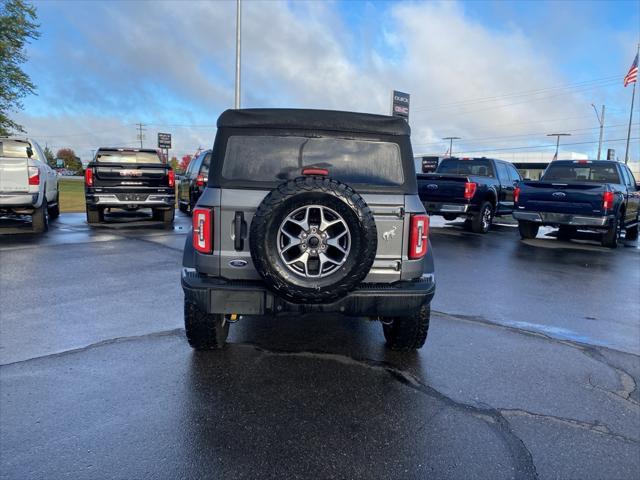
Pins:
x: 71, y: 161
x: 17, y: 27
x: 174, y: 164
x: 184, y: 163
x: 48, y: 155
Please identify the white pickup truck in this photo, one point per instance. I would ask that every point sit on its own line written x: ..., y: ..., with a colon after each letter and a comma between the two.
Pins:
x: 28, y: 186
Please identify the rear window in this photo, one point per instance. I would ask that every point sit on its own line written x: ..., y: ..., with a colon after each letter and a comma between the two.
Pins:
x: 14, y: 149
x: 116, y: 156
x: 280, y: 158
x: 581, y: 172
x: 481, y: 168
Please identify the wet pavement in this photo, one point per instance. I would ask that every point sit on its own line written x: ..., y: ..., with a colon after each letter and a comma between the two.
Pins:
x: 529, y: 371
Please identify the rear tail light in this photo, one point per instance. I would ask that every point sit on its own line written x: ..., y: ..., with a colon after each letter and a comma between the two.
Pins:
x: 200, y: 181
x: 315, y: 171
x: 203, y: 230
x: 172, y: 178
x: 607, y: 200
x: 88, y: 177
x: 34, y: 176
x: 419, y: 236
x: 470, y: 190
x: 516, y: 195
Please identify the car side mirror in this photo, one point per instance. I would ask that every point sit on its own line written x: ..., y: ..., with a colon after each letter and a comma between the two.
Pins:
x: 29, y: 151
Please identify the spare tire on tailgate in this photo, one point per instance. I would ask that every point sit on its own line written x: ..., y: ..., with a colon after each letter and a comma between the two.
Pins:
x: 313, y: 239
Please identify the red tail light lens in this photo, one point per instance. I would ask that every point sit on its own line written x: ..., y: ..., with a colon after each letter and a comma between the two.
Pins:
x: 607, y: 200
x: 34, y: 176
x: 516, y: 195
x: 470, y: 190
x: 172, y: 178
x: 200, y: 181
x: 315, y: 171
x: 419, y: 236
x: 88, y: 177
x: 203, y: 230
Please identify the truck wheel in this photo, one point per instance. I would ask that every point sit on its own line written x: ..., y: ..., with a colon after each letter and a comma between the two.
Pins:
x: 313, y: 239
x: 54, y: 211
x: 95, y: 216
x: 611, y: 236
x: 165, y: 216
x: 481, y: 222
x: 449, y: 216
x: 527, y: 229
x: 631, y: 233
x: 183, y: 207
x: 205, y: 331
x: 407, y: 333
x: 40, y: 218
x: 566, y: 233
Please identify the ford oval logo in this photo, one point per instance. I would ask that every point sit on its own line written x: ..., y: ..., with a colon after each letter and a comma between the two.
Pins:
x: 559, y: 194
x: 432, y: 186
x: 238, y: 263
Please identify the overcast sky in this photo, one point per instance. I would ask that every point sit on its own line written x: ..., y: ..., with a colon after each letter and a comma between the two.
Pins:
x: 499, y: 74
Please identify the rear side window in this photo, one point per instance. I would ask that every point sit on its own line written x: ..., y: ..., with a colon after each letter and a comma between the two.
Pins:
x: 479, y: 167
x: 513, y: 173
x: 14, y: 149
x: 204, y: 168
x: 280, y: 158
x: 581, y: 172
x: 117, y: 156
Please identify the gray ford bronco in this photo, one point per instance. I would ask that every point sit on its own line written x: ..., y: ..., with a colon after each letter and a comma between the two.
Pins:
x: 309, y: 211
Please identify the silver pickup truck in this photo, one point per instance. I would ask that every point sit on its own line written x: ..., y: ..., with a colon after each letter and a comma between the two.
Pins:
x: 28, y: 186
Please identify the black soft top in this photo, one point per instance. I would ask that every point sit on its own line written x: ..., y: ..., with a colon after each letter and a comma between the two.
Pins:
x: 326, y: 120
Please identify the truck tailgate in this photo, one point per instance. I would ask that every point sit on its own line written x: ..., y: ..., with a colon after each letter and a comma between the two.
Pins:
x: 14, y: 175
x: 575, y: 198
x: 434, y: 187
x: 131, y: 175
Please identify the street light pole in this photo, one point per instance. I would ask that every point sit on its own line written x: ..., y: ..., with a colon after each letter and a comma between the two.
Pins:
x: 238, y: 40
x: 558, y: 135
x: 601, y: 122
x: 451, y: 139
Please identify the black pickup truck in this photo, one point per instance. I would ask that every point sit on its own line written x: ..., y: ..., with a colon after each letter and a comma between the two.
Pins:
x: 475, y: 188
x: 129, y: 179
x: 580, y: 194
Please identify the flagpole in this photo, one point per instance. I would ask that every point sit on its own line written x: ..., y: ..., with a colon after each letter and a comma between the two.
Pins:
x: 633, y: 97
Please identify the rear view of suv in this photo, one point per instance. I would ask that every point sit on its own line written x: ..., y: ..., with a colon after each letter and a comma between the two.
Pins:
x: 194, y: 181
x: 309, y: 211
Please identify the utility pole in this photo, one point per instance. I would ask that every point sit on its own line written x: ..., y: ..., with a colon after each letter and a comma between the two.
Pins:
x: 601, y: 122
x: 238, y: 40
x: 451, y: 139
x: 141, y: 131
x: 558, y: 135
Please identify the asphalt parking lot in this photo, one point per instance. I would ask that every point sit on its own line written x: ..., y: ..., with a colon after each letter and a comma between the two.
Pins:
x: 530, y: 369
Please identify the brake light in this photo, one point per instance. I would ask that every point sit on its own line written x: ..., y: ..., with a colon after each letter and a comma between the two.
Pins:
x: 172, y: 178
x: 34, y: 176
x: 203, y: 230
x: 419, y: 236
x: 607, y: 200
x: 200, y: 181
x: 516, y: 194
x: 470, y: 190
x: 315, y: 171
x: 88, y: 177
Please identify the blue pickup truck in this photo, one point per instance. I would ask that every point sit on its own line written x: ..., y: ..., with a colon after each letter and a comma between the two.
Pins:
x: 580, y: 195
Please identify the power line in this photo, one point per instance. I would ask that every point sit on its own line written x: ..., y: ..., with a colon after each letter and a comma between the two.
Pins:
x: 141, y: 131
x: 613, y: 140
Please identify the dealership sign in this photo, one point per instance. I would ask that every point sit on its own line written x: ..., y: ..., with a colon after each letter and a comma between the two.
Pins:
x: 164, y: 140
x: 429, y: 164
x: 400, y: 105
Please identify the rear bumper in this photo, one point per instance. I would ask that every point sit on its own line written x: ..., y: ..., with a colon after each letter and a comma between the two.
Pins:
x: 124, y: 200
x: 218, y: 295
x: 556, y: 219
x: 437, y: 208
x: 18, y: 201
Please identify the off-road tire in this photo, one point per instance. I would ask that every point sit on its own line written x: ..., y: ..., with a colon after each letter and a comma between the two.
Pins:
x: 611, y: 236
x: 631, y: 233
x: 54, y: 211
x: 164, y: 216
x: 527, y: 229
x: 566, y: 233
x: 40, y: 218
x: 297, y: 193
x: 449, y: 217
x: 404, y: 334
x: 95, y: 216
x: 205, y: 331
x: 479, y: 224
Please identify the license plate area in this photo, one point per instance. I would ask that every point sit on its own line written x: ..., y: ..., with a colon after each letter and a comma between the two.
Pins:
x: 132, y: 197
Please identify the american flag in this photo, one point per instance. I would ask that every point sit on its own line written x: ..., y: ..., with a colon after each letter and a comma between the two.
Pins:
x: 632, y: 76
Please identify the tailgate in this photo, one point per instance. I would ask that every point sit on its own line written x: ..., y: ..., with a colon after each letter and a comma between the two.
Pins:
x: 575, y: 198
x: 130, y: 175
x: 438, y: 188
x: 14, y: 175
